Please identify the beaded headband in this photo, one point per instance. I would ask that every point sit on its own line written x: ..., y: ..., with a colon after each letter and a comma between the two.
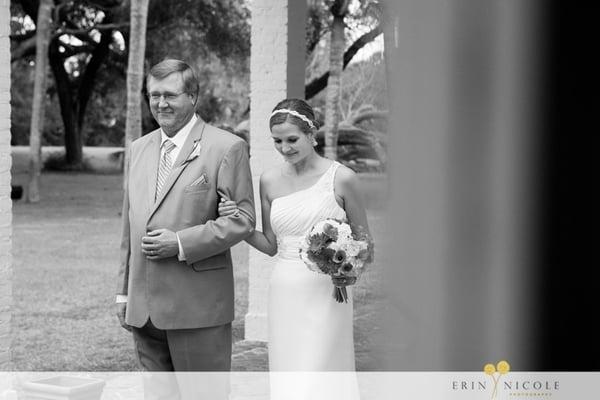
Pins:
x: 295, y: 114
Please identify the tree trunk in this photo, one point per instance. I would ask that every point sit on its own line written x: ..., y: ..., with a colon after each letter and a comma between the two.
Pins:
x: 315, y: 86
x: 135, y: 75
x: 44, y: 21
x: 68, y: 109
x: 73, y: 100
x: 336, y: 66
x: 89, y: 76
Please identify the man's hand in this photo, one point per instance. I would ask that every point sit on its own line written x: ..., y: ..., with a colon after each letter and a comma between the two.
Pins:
x: 228, y: 207
x: 159, y: 244
x: 121, y: 309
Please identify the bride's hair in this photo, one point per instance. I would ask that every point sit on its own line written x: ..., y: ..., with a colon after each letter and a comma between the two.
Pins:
x: 306, y: 121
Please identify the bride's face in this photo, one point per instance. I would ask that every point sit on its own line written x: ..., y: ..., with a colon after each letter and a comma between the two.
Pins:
x: 293, y: 144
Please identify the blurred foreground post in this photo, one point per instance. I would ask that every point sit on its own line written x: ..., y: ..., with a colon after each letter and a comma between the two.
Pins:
x: 461, y: 78
x: 38, y: 106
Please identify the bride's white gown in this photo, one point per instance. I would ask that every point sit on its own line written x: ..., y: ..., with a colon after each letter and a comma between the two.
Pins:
x: 308, y: 329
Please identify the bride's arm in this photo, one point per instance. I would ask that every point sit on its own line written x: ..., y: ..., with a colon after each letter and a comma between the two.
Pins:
x: 347, y: 192
x: 264, y: 241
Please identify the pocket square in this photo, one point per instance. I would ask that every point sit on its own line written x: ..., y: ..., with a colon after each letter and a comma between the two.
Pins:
x: 203, y: 179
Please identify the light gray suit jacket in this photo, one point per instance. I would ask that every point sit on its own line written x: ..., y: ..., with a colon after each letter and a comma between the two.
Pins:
x: 198, y: 292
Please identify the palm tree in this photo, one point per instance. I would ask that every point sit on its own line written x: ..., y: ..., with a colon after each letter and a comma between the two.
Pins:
x: 44, y: 22
x: 135, y: 75
x: 339, y: 9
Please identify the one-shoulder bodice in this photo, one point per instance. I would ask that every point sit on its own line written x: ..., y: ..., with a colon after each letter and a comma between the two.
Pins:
x: 294, y: 214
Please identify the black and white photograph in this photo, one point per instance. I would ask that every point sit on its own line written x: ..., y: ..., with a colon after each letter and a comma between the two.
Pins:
x: 298, y: 200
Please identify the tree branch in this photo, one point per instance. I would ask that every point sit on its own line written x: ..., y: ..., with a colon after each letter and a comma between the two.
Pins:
x: 30, y: 7
x: 99, y: 27
x: 71, y: 50
x: 320, y: 83
x: 367, y: 115
x: 104, y: 5
x: 23, y: 49
x: 20, y: 38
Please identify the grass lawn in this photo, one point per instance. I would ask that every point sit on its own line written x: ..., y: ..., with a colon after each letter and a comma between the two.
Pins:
x: 65, y: 252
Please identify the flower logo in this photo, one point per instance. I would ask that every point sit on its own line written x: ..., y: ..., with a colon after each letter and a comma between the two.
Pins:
x: 496, y: 372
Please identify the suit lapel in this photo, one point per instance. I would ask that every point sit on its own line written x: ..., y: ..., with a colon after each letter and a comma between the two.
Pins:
x: 179, y: 164
x: 152, y: 155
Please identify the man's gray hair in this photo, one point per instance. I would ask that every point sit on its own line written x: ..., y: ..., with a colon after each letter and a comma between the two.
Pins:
x: 169, y: 66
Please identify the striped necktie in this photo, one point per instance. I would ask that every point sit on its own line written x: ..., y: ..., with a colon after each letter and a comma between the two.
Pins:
x: 166, y: 162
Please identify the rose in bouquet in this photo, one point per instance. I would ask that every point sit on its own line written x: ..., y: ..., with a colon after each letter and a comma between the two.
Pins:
x: 333, y: 248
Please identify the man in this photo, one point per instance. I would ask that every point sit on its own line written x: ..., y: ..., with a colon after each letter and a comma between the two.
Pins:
x: 175, y: 289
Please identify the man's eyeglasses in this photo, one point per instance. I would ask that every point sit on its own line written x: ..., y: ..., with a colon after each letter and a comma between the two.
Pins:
x: 166, y: 96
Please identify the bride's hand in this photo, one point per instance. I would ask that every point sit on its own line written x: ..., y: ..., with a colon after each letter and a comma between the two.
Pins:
x: 228, y: 207
x: 342, y: 281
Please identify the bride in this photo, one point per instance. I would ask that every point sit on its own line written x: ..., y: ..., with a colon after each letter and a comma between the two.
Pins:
x: 308, y: 329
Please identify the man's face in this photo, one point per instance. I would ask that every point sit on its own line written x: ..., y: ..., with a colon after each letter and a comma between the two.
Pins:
x: 170, y: 106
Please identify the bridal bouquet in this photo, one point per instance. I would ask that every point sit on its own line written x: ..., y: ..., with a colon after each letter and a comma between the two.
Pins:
x: 331, y: 247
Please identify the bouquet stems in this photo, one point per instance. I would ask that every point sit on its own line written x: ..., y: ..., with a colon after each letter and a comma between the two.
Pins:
x: 340, y: 294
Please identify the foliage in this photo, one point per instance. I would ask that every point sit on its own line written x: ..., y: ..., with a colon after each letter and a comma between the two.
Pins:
x: 106, y: 114
x: 361, y: 146
x: 211, y: 35
x: 362, y: 25
x: 363, y: 86
x: 21, y: 93
x: 189, y: 28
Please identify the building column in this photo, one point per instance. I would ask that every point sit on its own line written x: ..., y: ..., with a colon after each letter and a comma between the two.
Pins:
x: 5, y: 189
x: 277, y: 72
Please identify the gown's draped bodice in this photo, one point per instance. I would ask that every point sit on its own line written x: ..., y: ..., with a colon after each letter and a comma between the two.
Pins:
x: 293, y: 215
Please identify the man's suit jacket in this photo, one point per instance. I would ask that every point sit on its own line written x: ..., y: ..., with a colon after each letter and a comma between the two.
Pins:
x: 198, y: 292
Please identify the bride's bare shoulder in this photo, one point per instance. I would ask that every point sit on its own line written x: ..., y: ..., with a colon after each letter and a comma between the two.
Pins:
x: 271, y: 177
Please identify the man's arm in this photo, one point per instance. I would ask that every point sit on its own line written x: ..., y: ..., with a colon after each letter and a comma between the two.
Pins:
x: 234, y: 181
x: 125, y: 251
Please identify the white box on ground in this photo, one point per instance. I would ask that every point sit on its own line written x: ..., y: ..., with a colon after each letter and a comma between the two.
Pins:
x: 63, y: 388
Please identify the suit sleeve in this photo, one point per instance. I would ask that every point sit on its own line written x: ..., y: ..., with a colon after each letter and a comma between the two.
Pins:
x: 125, y: 250
x: 234, y: 181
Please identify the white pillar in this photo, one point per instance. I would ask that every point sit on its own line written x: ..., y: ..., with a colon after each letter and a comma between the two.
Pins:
x: 5, y: 202
x: 277, y: 72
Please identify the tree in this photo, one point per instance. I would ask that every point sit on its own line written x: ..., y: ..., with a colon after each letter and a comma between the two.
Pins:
x: 339, y: 9
x: 79, y: 42
x: 364, y: 26
x: 42, y: 36
x: 87, y: 45
x: 94, y: 28
x: 135, y: 75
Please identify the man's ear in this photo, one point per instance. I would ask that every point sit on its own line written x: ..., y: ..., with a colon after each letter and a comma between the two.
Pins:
x: 194, y: 99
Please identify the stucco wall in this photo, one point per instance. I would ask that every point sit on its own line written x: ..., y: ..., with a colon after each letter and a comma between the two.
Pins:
x: 5, y: 202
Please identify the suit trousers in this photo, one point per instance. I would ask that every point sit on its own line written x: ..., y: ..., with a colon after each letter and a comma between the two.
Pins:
x: 186, y: 350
